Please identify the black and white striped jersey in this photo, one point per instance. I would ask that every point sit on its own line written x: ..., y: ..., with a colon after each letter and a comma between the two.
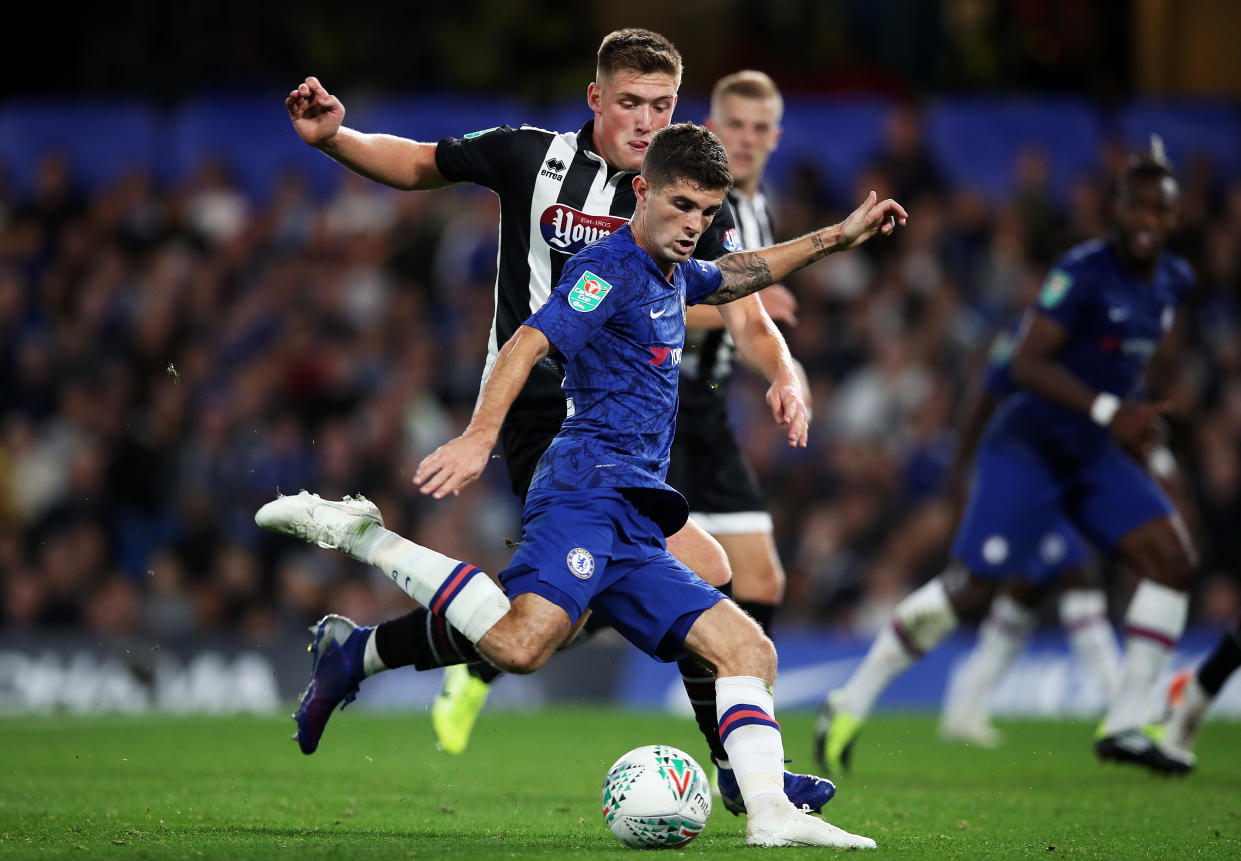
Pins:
x: 707, y: 362
x: 557, y: 195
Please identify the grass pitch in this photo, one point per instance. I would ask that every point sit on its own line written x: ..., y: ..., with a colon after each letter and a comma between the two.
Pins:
x: 528, y: 787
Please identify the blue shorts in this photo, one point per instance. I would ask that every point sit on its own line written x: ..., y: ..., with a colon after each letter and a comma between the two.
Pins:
x: 1060, y: 550
x: 592, y: 548
x: 1020, y: 497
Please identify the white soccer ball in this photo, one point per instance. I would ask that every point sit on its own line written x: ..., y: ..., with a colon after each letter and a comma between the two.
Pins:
x: 656, y: 797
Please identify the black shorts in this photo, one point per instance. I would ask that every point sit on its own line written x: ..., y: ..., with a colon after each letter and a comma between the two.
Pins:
x: 707, y: 468
x: 526, y: 433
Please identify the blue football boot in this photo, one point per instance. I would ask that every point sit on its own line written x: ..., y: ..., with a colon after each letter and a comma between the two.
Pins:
x: 806, y: 791
x: 336, y: 670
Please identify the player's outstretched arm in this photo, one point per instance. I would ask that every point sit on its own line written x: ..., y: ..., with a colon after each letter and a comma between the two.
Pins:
x: 317, y: 117
x: 763, y: 348
x: 748, y: 271
x: 459, y: 461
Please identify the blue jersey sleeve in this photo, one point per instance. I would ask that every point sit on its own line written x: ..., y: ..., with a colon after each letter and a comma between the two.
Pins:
x: 701, y: 280
x: 579, y: 306
x: 1064, y: 293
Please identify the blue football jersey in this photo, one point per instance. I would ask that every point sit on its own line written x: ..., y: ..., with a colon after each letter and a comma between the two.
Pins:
x: 620, y: 326
x: 1114, y: 322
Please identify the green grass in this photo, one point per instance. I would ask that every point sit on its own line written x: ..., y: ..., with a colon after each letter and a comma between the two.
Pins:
x: 135, y: 788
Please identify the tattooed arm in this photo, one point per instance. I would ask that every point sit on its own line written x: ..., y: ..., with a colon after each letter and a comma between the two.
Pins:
x: 748, y: 271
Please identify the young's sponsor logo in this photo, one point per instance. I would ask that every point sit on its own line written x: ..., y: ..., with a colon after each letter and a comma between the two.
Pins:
x: 568, y: 230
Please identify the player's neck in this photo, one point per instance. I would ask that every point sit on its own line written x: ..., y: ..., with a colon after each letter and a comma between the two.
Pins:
x: 1143, y: 269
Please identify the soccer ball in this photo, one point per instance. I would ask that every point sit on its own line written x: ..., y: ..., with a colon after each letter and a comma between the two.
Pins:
x: 656, y: 797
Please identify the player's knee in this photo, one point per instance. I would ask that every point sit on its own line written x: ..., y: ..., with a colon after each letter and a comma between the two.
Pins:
x: 522, y: 659
x: 752, y: 655
x: 1177, y: 560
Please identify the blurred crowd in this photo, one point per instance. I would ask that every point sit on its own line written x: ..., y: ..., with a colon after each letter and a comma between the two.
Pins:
x: 172, y: 357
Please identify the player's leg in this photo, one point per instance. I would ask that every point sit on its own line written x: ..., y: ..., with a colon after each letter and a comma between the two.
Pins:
x: 460, y: 607
x: 1083, y: 615
x: 698, y: 551
x: 663, y: 608
x: 703, y: 555
x: 920, y: 621
x: 1191, y: 692
x: 966, y: 715
x: 745, y: 661
x: 1121, y: 507
x: 1013, y: 503
x: 758, y: 577
x: 1060, y: 557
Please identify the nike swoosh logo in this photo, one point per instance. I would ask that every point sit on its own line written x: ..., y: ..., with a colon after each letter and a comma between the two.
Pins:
x: 661, y: 313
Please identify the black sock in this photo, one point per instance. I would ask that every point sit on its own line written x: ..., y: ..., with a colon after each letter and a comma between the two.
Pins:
x: 762, y: 613
x: 424, y: 640
x: 484, y: 672
x: 1221, y: 663
x: 699, y: 681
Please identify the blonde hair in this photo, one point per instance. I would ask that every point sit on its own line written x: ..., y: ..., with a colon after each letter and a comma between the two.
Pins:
x: 749, y: 84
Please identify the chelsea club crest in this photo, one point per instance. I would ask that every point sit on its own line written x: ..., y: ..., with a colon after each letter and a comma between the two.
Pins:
x: 581, y: 563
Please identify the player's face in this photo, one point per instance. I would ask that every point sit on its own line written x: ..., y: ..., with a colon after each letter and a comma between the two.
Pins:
x: 629, y: 107
x: 750, y: 130
x: 1146, y: 216
x: 673, y: 218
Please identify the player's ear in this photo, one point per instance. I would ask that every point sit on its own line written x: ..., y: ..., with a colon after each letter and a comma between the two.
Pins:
x: 594, y: 97
x: 640, y: 187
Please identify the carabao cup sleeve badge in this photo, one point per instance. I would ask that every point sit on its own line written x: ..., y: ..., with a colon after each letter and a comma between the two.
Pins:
x: 581, y: 563
x: 588, y: 292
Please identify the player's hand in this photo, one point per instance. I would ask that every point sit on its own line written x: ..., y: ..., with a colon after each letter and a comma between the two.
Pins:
x: 315, y: 112
x: 788, y: 407
x: 780, y: 303
x: 452, y: 466
x: 873, y: 216
x: 1139, y: 426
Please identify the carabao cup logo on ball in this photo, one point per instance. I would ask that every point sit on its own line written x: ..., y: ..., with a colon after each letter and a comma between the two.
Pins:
x: 568, y: 230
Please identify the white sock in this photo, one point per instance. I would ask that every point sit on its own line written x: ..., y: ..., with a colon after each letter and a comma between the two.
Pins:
x: 1083, y: 613
x: 1000, y: 639
x: 919, y: 622
x: 1153, y: 624
x: 456, y: 590
x: 746, y: 708
x: 371, y: 662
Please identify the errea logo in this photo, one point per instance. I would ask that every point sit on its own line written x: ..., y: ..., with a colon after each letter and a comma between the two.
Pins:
x: 554, y: 169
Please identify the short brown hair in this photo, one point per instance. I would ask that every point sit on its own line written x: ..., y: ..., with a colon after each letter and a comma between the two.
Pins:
x: 686, y: 151
x: 750, y: 84
x: 636, y: 50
